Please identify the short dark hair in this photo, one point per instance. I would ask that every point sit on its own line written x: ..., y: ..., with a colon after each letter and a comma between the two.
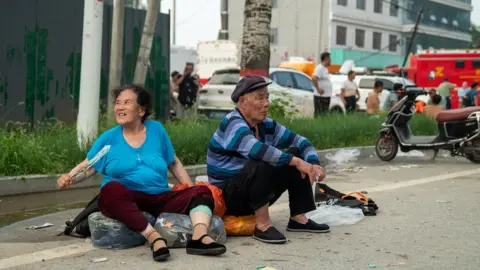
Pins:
x: 397, y: 86
x: 378, y: 84
x: 445, y: 80
x: 436, y: 99
x: 474, y: 84
x: 175, y: 74
x: 144, y: 99
x: 351, y: 72
x: 189, y: 64
x: 324, y: 56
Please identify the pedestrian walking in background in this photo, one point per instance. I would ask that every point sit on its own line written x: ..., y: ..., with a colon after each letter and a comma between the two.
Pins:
x: 471, y: 97
x: 187, y: 91
x: 373, y: 100
x: 444, y: 90
x: 462, y: 91
x: 349, y: 92
x: 322, y: 84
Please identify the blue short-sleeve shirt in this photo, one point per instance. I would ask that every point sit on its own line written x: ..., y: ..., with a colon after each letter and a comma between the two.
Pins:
x: 143, y: 169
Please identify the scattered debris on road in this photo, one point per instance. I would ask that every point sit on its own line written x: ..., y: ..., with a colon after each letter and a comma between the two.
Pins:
x: 343, y: 156
x: 413, y: 153
x: 45, y: 225
x: 443, y: 201
x: 372, y: 265
x: 99, y: 260
x: 396, y: 264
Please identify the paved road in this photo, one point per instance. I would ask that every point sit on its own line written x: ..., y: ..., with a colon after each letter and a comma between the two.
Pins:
x: 411, y: 231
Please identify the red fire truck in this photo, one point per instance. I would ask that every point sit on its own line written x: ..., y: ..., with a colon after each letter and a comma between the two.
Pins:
x: 428, y: 68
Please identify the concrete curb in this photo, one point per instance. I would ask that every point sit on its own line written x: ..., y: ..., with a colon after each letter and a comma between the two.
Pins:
x: 28, y: 184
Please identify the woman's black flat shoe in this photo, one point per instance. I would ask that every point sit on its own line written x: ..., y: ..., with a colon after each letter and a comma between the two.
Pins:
x: 162, y: 253
x: 197, y: 247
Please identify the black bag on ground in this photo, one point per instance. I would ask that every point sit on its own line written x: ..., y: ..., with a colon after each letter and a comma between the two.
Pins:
x: 80, y: 222
x: 327, y: 195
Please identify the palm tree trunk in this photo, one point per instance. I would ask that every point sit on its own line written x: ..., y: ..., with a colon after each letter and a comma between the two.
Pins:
x: 255, y: 58
x: 143, y: 58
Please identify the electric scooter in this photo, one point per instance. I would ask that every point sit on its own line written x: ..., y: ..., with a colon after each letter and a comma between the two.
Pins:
x: 458, y: 131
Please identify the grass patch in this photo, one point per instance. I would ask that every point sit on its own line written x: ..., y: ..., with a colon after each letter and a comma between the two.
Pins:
x: 52, y: 148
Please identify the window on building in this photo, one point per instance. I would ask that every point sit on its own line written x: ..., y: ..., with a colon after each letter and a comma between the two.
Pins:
x: 274, y: 35
x: 394, y: 8
x: 342, y: 2
x: 475, y: 63
x: 459, y: 64
x: 378, y: 6
x: 360, y: 38
x: 392, y: 43
x: 377, y: 41
x: 341, y: 35
x: 275, y: 3
x: 361, y: 4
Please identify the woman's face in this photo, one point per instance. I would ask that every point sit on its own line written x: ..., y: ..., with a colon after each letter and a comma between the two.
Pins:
x: 127, y: 109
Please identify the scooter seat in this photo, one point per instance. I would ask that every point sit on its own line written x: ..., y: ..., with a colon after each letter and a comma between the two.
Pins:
x: 456, y: 114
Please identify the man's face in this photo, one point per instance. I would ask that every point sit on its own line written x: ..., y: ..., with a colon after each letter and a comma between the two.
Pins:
x: 189, y: 69
x: 379, y: 89
x: 351, y: 77
x: 328, y: 61
x: 465, y: 84
x: 255, y: 105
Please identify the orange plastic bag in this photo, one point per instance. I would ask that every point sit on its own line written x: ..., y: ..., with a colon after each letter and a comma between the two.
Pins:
x: 239, y: 226
x: 220, y: 207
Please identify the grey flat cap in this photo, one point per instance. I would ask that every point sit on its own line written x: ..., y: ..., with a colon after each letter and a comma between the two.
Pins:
x: 247, y: 85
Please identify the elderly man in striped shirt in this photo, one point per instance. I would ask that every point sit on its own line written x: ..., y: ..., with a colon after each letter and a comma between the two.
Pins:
x: 245, y: 160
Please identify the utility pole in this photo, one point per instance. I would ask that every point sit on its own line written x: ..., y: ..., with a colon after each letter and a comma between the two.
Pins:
x: 224, y: 20
x: 116, y: 52
x: 88, y: 107
x: 174, y: 23
x: 143, y: 58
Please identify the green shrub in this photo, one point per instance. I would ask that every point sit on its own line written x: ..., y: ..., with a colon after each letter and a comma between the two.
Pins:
x: 52, y: 148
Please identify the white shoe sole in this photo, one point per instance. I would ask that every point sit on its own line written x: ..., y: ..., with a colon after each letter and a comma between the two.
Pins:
x: 307, y: 230
x: 270, y: 241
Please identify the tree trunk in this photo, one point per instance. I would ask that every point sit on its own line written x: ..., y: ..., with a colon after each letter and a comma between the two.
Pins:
x: 116, y: 52
x: 143, y: 58
x: 255, y: 57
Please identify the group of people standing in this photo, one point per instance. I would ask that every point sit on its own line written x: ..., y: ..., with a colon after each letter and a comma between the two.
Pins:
x: 183, y: 90
x: 349, y: 91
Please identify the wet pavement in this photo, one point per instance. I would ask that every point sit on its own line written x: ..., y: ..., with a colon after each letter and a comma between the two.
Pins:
x: 428, y: 219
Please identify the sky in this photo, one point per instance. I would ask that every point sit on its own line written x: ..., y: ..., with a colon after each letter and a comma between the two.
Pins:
x: 200, y: 19
x: 197, y: 20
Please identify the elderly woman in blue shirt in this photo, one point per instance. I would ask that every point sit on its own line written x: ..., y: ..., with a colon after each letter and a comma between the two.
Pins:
x: 135, y: 176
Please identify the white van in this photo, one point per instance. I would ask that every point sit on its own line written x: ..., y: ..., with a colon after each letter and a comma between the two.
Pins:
x: 366, y: 82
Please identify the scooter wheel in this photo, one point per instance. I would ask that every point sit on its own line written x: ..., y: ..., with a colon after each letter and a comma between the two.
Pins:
x: 386, y: 147
x: 475, y: 156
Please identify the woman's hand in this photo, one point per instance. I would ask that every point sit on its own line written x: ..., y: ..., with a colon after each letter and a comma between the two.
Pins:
x: 178, y: 170
x: 65, y: 181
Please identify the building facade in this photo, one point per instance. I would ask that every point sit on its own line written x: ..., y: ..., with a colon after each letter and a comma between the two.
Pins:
x: 373, y: 33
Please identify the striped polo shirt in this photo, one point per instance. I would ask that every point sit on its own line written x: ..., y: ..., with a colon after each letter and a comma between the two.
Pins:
x: 234, y: 143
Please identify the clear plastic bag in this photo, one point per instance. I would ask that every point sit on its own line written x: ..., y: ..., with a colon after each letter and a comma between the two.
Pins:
x: 343, y: 156
x: 108, y: 233
x: 335, y: 215
x: 177, y: 229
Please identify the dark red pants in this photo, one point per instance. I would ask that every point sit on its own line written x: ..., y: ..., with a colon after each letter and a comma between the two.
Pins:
x: 118, y: 202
